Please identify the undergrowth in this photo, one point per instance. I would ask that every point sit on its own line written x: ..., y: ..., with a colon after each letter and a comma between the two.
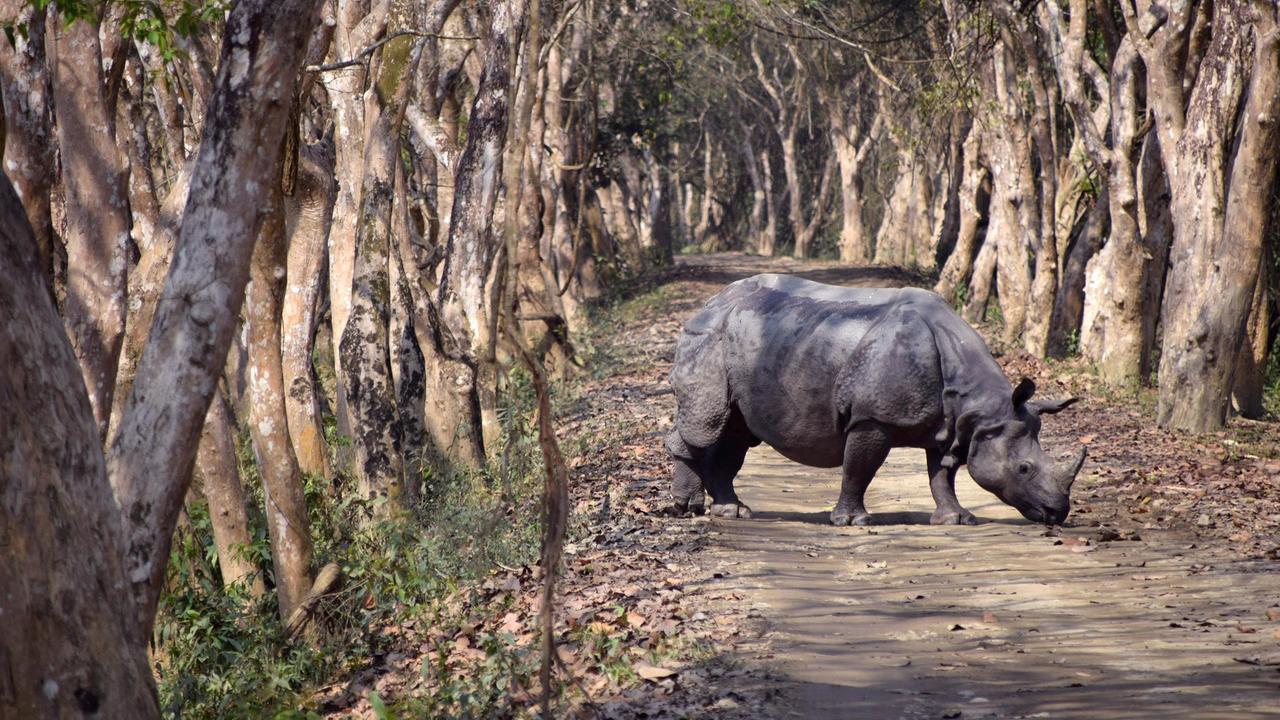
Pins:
x: 220, y: 652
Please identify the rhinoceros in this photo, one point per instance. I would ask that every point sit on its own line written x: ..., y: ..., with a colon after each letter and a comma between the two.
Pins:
x: 834, y: 376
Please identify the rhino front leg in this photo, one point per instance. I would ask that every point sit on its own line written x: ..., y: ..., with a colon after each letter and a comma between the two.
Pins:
x: 942, y: 483
x: 865, y: 449
x: 719, y: 469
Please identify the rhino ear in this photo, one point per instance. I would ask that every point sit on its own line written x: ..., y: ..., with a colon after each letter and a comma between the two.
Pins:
x: 1049, y: 407
x: 1022, y: 393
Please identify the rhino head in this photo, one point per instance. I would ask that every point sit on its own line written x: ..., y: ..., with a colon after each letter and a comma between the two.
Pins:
x: 1005, y: 458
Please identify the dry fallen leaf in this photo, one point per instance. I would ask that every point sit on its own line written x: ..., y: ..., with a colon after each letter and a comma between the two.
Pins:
x: 653, y: 672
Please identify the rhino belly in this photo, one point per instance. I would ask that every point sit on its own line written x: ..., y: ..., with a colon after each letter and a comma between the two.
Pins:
x: 802, y: 432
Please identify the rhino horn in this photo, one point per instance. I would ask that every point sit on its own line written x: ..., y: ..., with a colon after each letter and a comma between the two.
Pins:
x: 1069, y: 471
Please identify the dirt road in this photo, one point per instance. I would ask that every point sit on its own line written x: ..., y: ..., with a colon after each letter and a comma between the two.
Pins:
x: 906, y: 620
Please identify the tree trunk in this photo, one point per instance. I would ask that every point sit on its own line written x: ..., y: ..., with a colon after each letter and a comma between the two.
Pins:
x: 308, y: 213
x: 286, y: 509
x: 1250, y: 380
x: 1221, y: 184
x: 365, y: 344
x: 769, y: 241
x: 96, y: 181
x: 958, y: 268
x: 72, y: 643
x: 850, y: 152
x: 151, y: 458
x: 357, y: 27
x: 1069, y: 310
x: 219, y: 477
x: 28, y: 150
x: 755, y: 221
x: 984, y: 270
x: 804, y: 241
x: 145, y: 284
x: 470, y: 252
x: 904, y: 236
x: 1112, y: 332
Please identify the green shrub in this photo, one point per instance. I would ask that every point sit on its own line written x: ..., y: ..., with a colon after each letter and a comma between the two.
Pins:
x: 219, y: 652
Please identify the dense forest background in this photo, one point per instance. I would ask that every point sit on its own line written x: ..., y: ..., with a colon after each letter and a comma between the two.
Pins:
x: 323, y: 256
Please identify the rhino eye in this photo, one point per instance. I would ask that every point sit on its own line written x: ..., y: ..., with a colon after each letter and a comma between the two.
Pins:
x: 1024, y: 468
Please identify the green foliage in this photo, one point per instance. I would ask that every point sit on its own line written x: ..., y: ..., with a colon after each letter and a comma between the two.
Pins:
x: 1072, y: 347
x: 156, y: 22
x: 961, y: 296
x: 718, y: 22
x: 222, y: 653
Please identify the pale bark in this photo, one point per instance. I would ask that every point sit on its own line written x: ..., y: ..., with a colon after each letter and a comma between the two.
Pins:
x: 769, y: 240
x: 308, y: 213
x: 464, y: 307
x: 958, y: 268
x: 1112, y: 332
x: 28, y: 132
x: 286, y: 509
x: 357, y: 25
x: 1072, y: 300
x: 984, y: 270
x: 96, y: 181
x: 152, y: 456
x: 364, y: 346
x: 904, y: 235
x: 755, y: 221
x: 145, y: 284
x: 71, y: 636
x: 851, y: 150
x: 219, y: 476
x: 1221, y: 182
x: 372, y: 346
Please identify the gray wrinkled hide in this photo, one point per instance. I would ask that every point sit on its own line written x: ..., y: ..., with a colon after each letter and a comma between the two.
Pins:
x: 833, y: 376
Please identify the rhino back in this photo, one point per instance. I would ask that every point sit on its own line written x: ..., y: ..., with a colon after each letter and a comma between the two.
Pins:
x: 785, y: 341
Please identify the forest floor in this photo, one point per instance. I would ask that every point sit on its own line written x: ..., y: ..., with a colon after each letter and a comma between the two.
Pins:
x: 1161, y: 595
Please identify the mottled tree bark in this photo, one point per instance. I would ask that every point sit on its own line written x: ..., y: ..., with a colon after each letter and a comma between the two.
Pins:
x: 769, y: 240
x: 755, y: 220
x: 984, y: 270
x: 851, y: 149
x: 1250, y: 381
x: 286, y: 509
x: 72, y: 639
x: 1112, y: 331
x: 358, y: 24
x: 308, y: 212
x: 96, y: 181
x: 1222, y: 177
x: 904, y: 235
x: 145, y: 284
x: 28, y: 132
x: 471, y: 247
x: 152, y: 456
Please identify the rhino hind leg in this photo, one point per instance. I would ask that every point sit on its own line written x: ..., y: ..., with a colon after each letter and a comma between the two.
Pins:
x: 710, y: 469
x: 865, y: 448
